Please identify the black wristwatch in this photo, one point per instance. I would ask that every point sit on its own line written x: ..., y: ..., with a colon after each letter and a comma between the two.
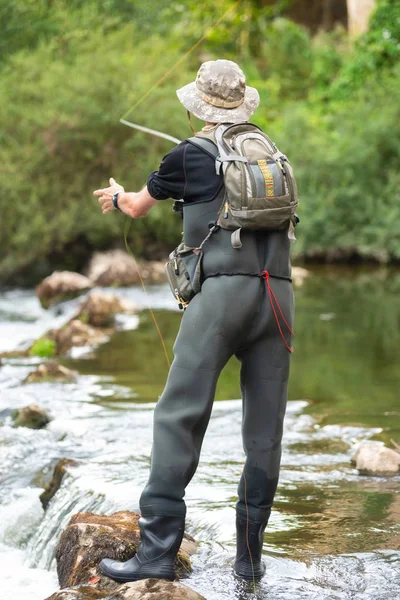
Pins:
x: 115, y: 199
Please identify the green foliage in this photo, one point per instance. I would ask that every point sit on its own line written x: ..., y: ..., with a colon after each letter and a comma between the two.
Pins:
x: 347, y: 173
x: 70, y: 70
x: 376, y: 53
x: 44, y: 347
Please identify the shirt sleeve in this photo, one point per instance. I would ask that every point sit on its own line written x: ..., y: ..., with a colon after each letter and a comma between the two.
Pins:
x: 169, y: 180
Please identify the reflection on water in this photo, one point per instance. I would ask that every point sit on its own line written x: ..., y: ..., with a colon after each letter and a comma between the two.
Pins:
x: 333, y: 534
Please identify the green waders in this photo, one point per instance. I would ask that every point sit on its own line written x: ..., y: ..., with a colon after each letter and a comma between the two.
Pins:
x: 232, y: 315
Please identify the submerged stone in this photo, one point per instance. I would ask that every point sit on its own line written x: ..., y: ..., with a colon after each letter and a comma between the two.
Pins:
x: 51, y: 371
x: 32, y: 416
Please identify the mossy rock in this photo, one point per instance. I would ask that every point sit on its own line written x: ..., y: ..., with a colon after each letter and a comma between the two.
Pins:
x: 89, y: 538
x: 32, y: 416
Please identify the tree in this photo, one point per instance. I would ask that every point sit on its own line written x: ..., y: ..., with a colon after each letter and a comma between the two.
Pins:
x: 358, y: 12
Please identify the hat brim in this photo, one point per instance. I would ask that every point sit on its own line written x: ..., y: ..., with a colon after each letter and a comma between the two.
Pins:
x: 213, y: 114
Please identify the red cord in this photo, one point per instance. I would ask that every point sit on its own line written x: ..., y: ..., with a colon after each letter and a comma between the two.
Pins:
x: 275, y: 306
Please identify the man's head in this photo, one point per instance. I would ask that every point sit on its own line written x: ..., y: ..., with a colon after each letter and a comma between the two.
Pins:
x: 220, y: 94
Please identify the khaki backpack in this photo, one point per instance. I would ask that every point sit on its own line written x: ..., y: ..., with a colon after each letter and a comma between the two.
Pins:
x: 260, y: 188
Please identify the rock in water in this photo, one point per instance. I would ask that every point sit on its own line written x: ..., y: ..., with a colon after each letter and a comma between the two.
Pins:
x: 99, y: 309
x: 51, y: 371
x: 299, y: 275
x: 146, y: 589
x: 61, y: 285
x: 54, y: 484
x: 32, y: 416
x: 89, y: 537
x: 118, y: 268
x: 76, y: 333
x: 155, y: 589
x: 373, y: 458
x: 83, y: 592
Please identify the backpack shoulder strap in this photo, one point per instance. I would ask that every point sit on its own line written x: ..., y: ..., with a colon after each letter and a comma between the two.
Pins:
x: 206, y: 145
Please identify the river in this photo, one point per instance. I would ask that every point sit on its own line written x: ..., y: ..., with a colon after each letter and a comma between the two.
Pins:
x: 334, y: 535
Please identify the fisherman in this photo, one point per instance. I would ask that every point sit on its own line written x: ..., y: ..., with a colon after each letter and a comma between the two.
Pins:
x: 233, y: 314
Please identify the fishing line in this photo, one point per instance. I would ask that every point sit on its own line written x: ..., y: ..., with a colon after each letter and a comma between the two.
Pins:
x: 128, y: 223
x: 126, y: 231
x: 169, y: 138
x: 179, y: 62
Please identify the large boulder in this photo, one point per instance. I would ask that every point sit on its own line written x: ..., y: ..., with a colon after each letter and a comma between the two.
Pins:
x: 147, y: 589
x: 76, y: 333
x: 99, y: 309
x: 89, y: 537
x: 61, y: 285
x: 373, y: 458
x: 51, y: 371
x: 118, y: 268
x: 32, y: 416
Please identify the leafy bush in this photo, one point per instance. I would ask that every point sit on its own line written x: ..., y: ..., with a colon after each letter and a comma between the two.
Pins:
x: 64, y: 85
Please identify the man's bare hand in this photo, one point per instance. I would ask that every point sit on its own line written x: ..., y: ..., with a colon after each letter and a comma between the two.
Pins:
x: 105, y: 196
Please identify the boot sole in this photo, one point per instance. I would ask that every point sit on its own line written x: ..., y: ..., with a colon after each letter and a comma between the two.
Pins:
x: 144, y: 573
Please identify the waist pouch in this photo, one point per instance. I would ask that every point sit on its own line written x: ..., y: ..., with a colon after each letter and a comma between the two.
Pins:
x: 183, y: 271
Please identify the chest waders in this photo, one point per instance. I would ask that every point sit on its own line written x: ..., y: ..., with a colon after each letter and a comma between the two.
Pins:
x: 232, y: 315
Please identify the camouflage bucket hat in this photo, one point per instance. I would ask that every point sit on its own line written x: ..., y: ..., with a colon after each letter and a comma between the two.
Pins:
x: 220, y: 94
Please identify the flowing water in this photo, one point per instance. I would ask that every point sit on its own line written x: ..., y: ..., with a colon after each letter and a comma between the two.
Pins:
x: 333, y: 535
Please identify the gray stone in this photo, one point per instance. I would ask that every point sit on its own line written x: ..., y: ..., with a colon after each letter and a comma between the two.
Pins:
x: 373, y: 458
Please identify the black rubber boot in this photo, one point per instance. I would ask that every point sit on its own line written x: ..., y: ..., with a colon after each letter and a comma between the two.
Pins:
x: 161, y: 538
x: 249, y: 543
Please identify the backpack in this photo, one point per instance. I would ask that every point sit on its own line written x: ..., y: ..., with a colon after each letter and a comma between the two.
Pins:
x: 260, y: 188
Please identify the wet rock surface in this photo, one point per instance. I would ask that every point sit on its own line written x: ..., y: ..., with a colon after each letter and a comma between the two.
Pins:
x: 59, y: 471
x: 51, y: 371
x: 32, y: 416
x: 372, y: 458
x: 147, y: 589
x: 118, y: 268
x: 61, y: 285
x: 89, y: 538
x: 76, y: 333
x: 155, y: 589
x: 99, y: 309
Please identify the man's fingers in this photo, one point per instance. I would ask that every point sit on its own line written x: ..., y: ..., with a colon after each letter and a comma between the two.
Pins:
x: 112, y: 181
x: 108, y: 209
